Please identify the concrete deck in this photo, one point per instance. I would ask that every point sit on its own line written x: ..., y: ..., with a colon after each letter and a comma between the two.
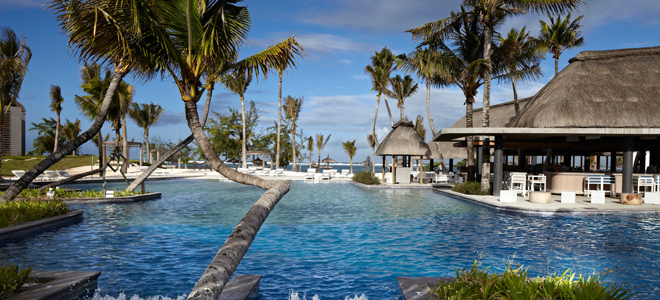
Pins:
x: 55, y: 285
x: 582, y: 205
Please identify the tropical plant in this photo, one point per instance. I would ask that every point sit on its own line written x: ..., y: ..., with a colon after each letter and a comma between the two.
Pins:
x: 45, y: 140
x: 14, y: 60
x: 419, y: 127
x: 521, y: 56
x: 12, y: 279
x: 402, y: 88
x: 560, y: 35
x: 56, y: 101
x: 371, y: 139
x: 70, y: 131
x: 382, y: 65
x: 237, y: 83
x: 366, y: 177
x: 310, y: 148
x: 291, y: 109
x: 349, y: 147
x: 321, y: 141
x: 225, y: 131
x: 145, y: 115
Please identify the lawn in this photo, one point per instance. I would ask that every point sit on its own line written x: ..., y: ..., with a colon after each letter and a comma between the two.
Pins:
x: 27, y: 162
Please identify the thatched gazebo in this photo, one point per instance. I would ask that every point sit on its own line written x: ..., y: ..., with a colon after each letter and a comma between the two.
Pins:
x: 404, y: 141
x: 603, y: 101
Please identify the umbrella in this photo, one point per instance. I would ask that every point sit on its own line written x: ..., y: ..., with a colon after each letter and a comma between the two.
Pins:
x: 233, y: 161
x: 327, y: 162
x: 257, y: 161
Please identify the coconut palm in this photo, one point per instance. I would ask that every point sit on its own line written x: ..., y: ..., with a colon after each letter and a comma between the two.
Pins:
x: 382, y: 65
x: 418, y: 125
x: 238, y: 83
x: 125, y: 93
x: 349, y: 147
x: 321, y: 141
x: 371, y: 139
x: 145, y: 115
x: 402, y: 88
x: 281, y: 67
x: 70, y: 131
x: 560, y: 35
x: 56, y: 100
x: 489, y: 13
x: 310, y: 148
x: 291, y: 109
x: 521, y: 56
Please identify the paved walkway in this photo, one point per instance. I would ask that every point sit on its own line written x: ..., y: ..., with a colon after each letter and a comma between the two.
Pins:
x: 582, y: 205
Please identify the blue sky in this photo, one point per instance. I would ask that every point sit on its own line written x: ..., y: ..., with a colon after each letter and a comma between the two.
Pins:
x: 339, y: 37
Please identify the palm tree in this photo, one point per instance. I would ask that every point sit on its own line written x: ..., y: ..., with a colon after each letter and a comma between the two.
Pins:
x: 45, y: 140
x: 521, y: 56
x: 560, y: 35
x: 349, y: 147
x: 371, y: 139
x: 125, y: 94
x: 382, y: 65
x: 402, y: 88
x: 14, y: 60
x: 321, y: 141
x: 56, y: 106
x: 489, y: 13
x: 70, y: 131
x: 145, y: 115
x: 281, y: 67
x: 310, y: 148
x: 419, y: 127
x: 292, y: 112
x: 238, y: 83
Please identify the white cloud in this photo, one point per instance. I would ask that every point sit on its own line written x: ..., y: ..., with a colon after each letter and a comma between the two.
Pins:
x: 322, y: 43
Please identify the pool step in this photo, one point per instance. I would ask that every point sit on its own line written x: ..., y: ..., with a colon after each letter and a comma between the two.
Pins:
x: 419, y: 288
x: 241, y: 287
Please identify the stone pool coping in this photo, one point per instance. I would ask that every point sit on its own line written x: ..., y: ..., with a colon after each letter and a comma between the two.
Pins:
x: 55, y: 285
x: 385, y: 186
x: 126, y: 199
x: 20, y: 231
x: 580, y: 207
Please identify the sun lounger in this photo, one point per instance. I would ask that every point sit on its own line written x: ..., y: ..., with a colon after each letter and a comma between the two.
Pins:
x: 327, y: 174
x: 278, y: 172
x: 62, y: 174
x: 310, y: 173
x: 346, y: 173
x: 161, y: 173
x: 50, y: 175
x: 264, y: 172
x: 17, y: 174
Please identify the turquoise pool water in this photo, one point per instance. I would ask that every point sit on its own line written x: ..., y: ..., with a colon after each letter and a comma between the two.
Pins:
x: 334, y: 240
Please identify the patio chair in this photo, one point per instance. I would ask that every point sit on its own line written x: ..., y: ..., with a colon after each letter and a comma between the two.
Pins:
x: 643, y: 182
x: 518, y: 182
x: 533, y: 180
x: 327, y: 174
x: 17, y: 174
x: 441, y: 178
x: 592, y: 180
x: 50, y: 175
x: 62, y: 174
x: 346, y: 173
x: 278, y: 172
x: 310, y: 173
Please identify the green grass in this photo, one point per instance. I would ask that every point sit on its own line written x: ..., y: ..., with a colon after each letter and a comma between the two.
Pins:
x: 12, y: 279
x: 27, y: 162
x: 21, y: 211
x: 514, y: 284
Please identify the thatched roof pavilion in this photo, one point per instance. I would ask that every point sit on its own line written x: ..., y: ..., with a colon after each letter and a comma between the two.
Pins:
x: 603, y: 101
x: 403, y: 140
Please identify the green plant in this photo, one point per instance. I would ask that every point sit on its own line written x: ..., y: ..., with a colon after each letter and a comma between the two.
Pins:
x: 366, y: 177
x: 513, y: 283
x: 16, y: 212
x: 12, y: 279
x: 471, y: 188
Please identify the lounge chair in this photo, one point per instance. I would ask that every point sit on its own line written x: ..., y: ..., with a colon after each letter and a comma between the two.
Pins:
x: 441, y: 178
x: 346, y: 173
x: 50, y: 175
x: 62, y: 174
x: 518, y: 182
x: 278, y: 172
x: 310, y: 173
x: 17, y: 174
x: 327, y: 174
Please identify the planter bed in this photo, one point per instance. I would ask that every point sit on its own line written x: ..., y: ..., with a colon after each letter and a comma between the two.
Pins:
x: 57, y: 285
x: 127, y: 199
x: 24, y: 230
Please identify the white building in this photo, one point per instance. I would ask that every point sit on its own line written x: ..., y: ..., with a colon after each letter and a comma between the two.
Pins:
x: 12, y: 140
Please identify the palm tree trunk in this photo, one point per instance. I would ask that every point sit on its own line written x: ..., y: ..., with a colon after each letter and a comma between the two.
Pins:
x: 57, y: 132
x: 101, y: 158
x: 516, y: 105
x: 401, y: 107
x: 485, y: 165
x: 556, y: 65
x: 146, y: 140
x: 470, y: 141
x: 373, y: 126
x: 428, y: 110
x: 389, y: 112
x: 125, y: 144
x: 244, y: 142
x: 293, y: 139
x: 53, y: 158
x: 182, y: 144
x: 351, y: 164
x: 373, y: 157
x: 279, y: 122
x: 223, y: 265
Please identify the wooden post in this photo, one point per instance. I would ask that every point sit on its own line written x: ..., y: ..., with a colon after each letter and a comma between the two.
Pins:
x: 383, y: 168
x: 497, y: 180
x: 141, y: 155
x: 613, y: 161
x: 393, y: 169
x: 421, y: 171
x: 628, y: 146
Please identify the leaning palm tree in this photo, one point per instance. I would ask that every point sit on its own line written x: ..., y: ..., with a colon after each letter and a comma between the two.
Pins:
x: 382, y: 65
x: 238, y: 83
x: 560, y: 35
x: 14, y: 60
x: 56, y: 100
x: 321, y: 141
x: 402, y: 88
x: 291, y: 109
x: 489, y: 13
x: 521, y: 56
x: 349, y: 147
x: 145, y: 115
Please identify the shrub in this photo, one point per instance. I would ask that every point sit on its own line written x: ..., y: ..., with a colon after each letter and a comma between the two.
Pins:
x: 513, y: 283
x: 366, y: 177
x: 16, y: 212
x: 471, y: 188
x: 12, y: 279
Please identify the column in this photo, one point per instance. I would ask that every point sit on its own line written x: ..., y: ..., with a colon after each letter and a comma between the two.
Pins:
x: 628, y: 145
x: 497, y: 181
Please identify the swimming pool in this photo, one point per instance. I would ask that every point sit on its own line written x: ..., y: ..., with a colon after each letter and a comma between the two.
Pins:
x: 334, y: 240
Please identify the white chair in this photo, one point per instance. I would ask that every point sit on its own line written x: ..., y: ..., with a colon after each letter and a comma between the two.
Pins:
x: 50, y: 175
x: 441, y: 178
x: 278, y: 172
x: 518, y: 182
x: 311, y: 172
x: 327, y: 174
x: 592, y: 180
x: 17, y: 174
x: 242, y: 170
x: 533, y: 180
x: 643, y: 182
x: 346, y: 173
x: 62, y: 174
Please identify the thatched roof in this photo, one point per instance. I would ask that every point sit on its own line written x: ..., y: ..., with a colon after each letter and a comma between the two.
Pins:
x: 599, y: 89
x: 500, y: 115
x: 403, y: 140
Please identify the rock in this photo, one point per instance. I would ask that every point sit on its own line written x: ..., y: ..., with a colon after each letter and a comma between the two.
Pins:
x: 540, y: 197
x: 631, y: 199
